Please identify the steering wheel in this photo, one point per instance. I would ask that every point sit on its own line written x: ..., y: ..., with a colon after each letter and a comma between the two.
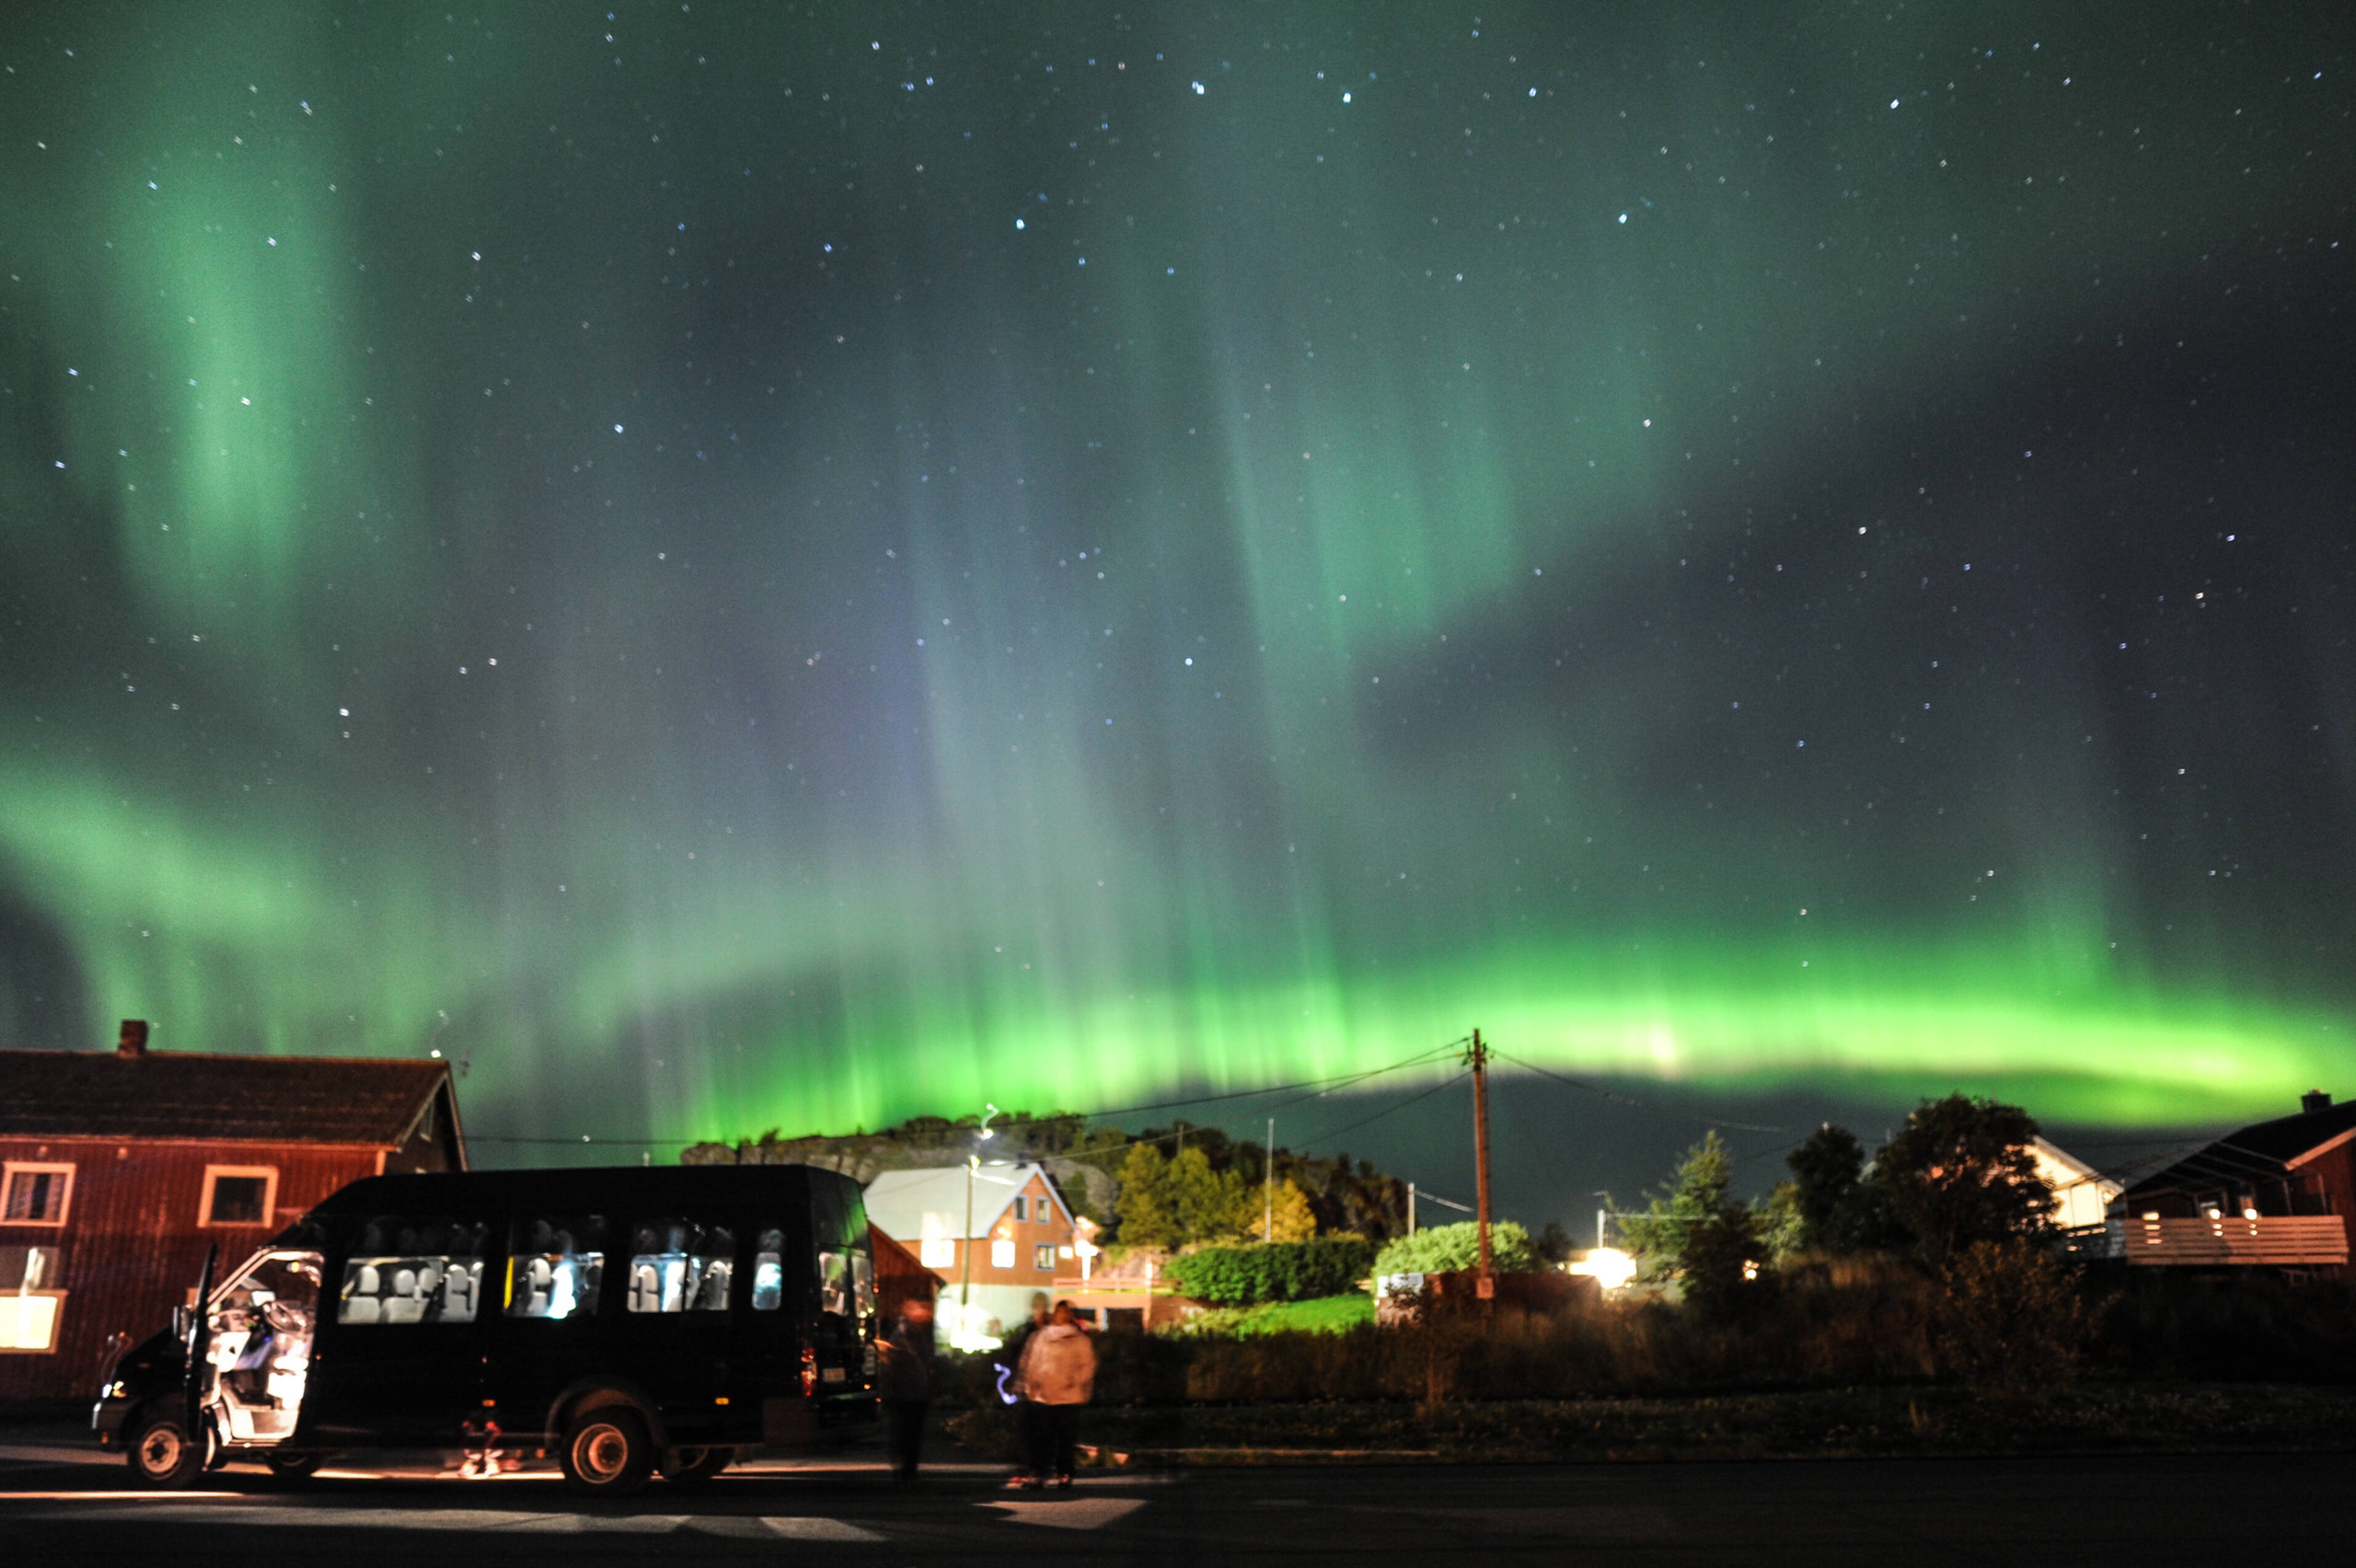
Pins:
x: 287, y: 1319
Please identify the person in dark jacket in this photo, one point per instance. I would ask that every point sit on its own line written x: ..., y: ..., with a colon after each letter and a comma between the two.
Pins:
x: 907, y: 1379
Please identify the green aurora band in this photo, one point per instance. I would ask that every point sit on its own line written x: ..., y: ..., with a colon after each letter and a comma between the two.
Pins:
x: 696, y: 394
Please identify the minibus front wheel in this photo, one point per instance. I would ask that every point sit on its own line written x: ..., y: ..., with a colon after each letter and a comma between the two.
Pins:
x: 160, y: 1452
x: 606, y: 1452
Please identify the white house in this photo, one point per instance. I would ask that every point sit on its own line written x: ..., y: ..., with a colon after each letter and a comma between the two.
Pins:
x: 2081, y: 1193
x: 1019, y: 1236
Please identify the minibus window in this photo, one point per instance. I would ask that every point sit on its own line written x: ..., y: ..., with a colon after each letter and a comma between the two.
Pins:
x: 555, y: 1267
x: 676, y: 1265
x: 862, y: 1282
x: 835, y: 1292
x: 768, y: 1272
x: 408, y: 1270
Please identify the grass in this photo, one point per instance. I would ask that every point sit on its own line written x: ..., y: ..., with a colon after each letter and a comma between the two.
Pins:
x: 1319, y: 1315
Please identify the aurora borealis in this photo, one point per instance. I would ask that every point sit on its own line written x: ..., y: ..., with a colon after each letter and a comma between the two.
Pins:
x: 738, y: 566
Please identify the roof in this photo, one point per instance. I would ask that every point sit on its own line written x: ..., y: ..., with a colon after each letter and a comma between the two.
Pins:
x: 2072, y: 1170
x: 2263, y: 1151
x: 912, y: 1206
x: 185, y: 1096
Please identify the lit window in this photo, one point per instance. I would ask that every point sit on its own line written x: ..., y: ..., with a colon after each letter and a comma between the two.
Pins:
x: 768, y: 1272
x: 1043, y: 1257
x: 555, y: 1267
x: 408, y: 1270
x: 1001, y: 1254
x: 36, y: 1195
x: 238, y: 1195
x: 938, y: 1253
x: 676, y: 1265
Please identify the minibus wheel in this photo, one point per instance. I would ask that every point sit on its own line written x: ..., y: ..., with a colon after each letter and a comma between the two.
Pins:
x: 293, y: 1467
x: 686, y: 1467
x: 606, y: 1452
x: 160, y: 1452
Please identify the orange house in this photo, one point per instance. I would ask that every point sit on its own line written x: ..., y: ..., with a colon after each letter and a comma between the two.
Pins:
x: 993, y: 1235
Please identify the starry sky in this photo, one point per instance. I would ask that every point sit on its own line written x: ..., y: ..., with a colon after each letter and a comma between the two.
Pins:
x: 735, y: 566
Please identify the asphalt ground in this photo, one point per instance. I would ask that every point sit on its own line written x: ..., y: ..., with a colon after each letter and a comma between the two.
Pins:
x: 61, y: 1503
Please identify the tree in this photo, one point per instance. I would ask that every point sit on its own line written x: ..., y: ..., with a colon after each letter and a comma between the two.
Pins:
x: 1144, y: 1215
x: 2011, y: 1315
x: 1451, y: 1248
x: 1296, y: 1221
x: 1959, y: 1172
x: 1825, y: 1169
x: 1696, y: 1233
x: 1554, y: 1244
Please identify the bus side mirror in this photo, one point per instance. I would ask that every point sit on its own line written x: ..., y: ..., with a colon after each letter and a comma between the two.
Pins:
x: 181, y: 1324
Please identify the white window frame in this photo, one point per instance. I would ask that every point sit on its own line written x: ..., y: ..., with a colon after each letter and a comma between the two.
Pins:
x: 269, y: 1173
x: 56, y: 1299
x: 35, y: 1167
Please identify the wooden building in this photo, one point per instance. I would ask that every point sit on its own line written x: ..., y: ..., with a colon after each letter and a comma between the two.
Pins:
x: 2278, y: 1194
x: 118, y: 1169
x: 1020, y: 1236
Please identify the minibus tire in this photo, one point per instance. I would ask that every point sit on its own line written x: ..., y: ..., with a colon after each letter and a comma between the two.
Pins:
x: 293, y: 1467
x: 692, y: 1467
x: 606, y: 1452
x: 160, y: 1453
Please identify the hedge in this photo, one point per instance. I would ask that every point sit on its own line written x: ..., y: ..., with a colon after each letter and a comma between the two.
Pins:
x: 1285, y: 1271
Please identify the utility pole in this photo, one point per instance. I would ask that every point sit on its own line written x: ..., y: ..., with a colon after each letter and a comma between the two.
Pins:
x: 966, y: 1246
x: 1411, y: 1208
x: 1268, y: 1203
x: 1485, y: 1282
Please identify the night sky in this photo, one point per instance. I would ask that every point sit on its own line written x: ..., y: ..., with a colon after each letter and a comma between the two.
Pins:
x: 744, y: 566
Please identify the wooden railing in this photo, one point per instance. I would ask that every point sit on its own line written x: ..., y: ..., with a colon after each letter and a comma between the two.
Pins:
x: 2310, y: 1239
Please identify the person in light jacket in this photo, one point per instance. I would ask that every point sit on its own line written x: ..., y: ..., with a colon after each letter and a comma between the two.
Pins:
x: 1058, y: 1375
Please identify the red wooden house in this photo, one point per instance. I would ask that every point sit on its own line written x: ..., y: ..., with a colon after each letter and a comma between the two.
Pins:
x: 118, y: 1169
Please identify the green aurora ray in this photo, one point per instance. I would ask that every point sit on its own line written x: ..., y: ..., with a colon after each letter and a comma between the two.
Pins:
x: 1318, y: 584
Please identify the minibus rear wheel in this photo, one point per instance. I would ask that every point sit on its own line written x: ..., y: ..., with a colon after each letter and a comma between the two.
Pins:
x: 606, y: 1452
x: 160, y: 1452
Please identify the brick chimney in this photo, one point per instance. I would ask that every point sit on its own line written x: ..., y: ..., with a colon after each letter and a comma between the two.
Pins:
x: 2314, y: 1099
x: 133, y: 1042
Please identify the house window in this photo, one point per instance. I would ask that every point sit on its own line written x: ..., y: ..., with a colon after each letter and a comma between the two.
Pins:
x: 35, y: 1194
x: 238, y: 1195
x: 1001, y: 1254
x: 937, y: 1251
x: 1043, y: 1257
x: 1021, y: 1209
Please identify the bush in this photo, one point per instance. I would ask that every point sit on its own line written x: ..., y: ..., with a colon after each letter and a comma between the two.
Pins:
x: 1285, y: 1270
x: 2011, y: 1315
x: 1450, y: 1249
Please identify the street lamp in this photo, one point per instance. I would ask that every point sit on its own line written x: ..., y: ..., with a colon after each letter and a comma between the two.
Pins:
x: 965, y: 1247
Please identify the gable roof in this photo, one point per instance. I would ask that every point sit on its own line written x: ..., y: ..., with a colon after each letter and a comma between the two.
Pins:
x: 910, y: 1206
x: 183, y: 1095
x: 2263, y: 1151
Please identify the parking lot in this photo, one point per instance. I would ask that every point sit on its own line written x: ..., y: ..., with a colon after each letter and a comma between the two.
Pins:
x: 61, y: 1502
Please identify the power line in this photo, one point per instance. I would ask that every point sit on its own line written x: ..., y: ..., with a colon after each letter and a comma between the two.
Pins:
x: 1627, y: 1099
x: 1315, y: 1087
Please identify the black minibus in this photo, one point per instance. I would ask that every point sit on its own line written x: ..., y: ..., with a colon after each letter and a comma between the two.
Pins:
x: 630, y: 1320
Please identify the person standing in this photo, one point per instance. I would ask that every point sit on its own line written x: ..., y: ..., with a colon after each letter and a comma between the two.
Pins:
x: 907, y: 1377
x: 1058, y: 1376
x: 1026, y: 1414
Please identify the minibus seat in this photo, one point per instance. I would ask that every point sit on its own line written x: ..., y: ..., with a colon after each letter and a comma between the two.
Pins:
x: 402, y: 1306
x: 539, y: 1284
x: 645, y: 1289
x: 458, y: 1293
x: 359, y: 1302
